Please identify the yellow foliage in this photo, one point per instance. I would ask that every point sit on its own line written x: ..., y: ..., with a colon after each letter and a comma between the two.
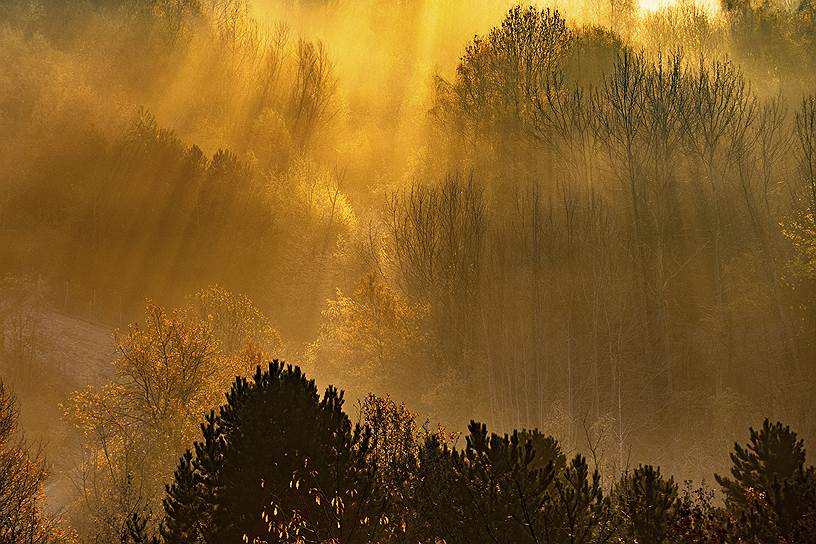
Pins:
x: 237, y: 323
x: 173, y: 367
x: 801, y: 231
x: 369, y: 334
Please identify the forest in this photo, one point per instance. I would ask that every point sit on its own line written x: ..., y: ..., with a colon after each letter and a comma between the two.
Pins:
x: 407, y: 271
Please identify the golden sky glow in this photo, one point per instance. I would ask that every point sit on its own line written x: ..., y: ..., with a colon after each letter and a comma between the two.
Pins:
x: 649, y: 6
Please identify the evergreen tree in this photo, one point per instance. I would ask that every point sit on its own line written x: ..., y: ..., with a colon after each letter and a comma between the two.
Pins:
x: 505, y: 487
x: 577, y: 511
x: 772, y: 495
x: 546, y: 448
x: 489, y: 492
x: 646, y: 502
x: 501, y: 489
x: 185, y: 507
x: 276, y: 463
x: 136, y: 531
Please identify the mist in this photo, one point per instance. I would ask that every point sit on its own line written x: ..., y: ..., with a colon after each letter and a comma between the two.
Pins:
x: 587, y: 221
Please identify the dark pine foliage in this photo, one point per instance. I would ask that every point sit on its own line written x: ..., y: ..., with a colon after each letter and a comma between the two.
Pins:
x: 579, y: 513
x: 489, y: 492
x: 500, y: 489
x: 772, y: 495
x: 276, y: 463
x: 646, y: 503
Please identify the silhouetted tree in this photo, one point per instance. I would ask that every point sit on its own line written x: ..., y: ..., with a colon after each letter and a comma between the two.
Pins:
x: 498, y: 490
x: 772, y: 494
x: 646, y: 502
x: 488, y: 492
x: 279, y: 464
x: 579, y: 513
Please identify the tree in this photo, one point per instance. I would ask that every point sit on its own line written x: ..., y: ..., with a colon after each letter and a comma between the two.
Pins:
x: 805, y: 125
x: 395, y: 452
x: 236, y: 322
x: 697, y: 519
x: 313, y: 99
x: 276, y: 464
x: 170, y: 371
x: 801, y: 232
x: 800, y: 228
x: 134, y: 427
x: 376, y: 336
x: 21, y: 304
x: 580, y: 513
x: 491, y: 103
x: 384, y: 341
x: 646, y: 502
x: 500, y: 73
x: 772, y: 494
x: 488, y: 492
x: 501, y: 489
x: 22, y: 478
x: 438, y: 235
x: 721, y: 106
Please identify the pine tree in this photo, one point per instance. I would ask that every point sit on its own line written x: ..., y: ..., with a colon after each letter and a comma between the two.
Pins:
x: 184, y: 504
x: 646, y: 502
x: 136, y: 531
x: 502, y: 489
x: 546, y: 448
x: 492, y: 491
x: 577, y: 510
x: 276, y: 463
x: 773, y: 494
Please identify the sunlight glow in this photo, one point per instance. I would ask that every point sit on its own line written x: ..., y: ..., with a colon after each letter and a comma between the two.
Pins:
x: 650, y: 6
x: 654, y: 5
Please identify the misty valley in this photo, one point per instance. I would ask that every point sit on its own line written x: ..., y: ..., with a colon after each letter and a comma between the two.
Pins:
x: 407, y: 271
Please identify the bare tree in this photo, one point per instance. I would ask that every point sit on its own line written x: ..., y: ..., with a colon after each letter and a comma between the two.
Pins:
x: 805, y: 123
x: 22, y: 476
x: 21, y: 307
x: 312, y: 101
x: 664, y: 105
x: 759, y: 154
x: 720, y: 106
x: 437, y: 237
x: 621, y: 109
